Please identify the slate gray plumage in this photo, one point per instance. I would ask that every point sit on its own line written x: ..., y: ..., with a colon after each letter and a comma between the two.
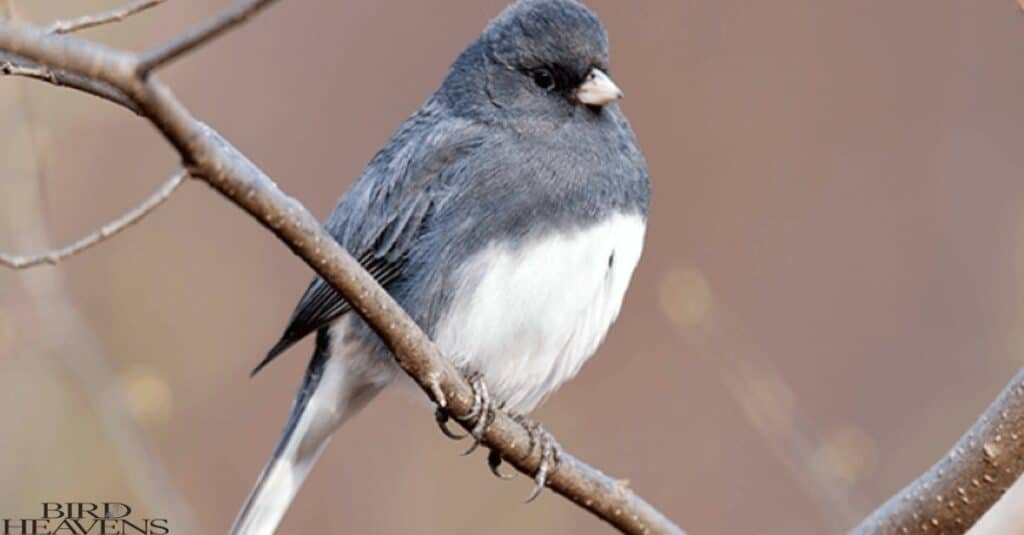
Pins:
x: 502, y: 157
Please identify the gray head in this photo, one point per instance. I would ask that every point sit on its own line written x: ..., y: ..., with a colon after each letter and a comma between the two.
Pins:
x: 537, y: 56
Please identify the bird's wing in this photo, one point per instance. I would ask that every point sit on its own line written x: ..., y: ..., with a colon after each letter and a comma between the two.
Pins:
x: 383, y: 212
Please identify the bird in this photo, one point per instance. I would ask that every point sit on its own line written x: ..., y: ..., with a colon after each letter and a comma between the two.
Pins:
x: 506, y: 216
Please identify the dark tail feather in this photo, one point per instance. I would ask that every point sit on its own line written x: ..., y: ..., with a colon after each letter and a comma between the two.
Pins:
x: 282, y: 344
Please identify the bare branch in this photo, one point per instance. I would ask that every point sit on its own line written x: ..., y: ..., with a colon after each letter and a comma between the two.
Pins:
x: 39, y: 73
x: 214, y: 160
x: 105, y: 232
x: 71, y: 344
x: 956, y: 492
x: 114, y: 15
x: 199, y: 35
x: 12, y: 65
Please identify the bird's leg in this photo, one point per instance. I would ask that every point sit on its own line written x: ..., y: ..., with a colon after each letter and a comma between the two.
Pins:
x: 550, y: 453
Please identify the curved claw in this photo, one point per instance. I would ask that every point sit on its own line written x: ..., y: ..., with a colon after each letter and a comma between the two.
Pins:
x: 550, y: 456
x: 537, y: 489
x: 541, y: 478
x: 494, y: 462
x: 442, y: 421
x: 483, y: 411
x: 472, y: 448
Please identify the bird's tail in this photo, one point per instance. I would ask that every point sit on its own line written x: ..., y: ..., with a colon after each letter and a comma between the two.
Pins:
x: 329, y: 395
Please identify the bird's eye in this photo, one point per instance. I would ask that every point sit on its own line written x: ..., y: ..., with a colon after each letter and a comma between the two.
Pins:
x: 543, y: 79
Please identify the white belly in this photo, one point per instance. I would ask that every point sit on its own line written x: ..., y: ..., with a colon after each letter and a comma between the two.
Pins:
x: 529, y: 317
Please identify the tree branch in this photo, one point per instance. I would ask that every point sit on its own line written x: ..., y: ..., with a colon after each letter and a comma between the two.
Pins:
x: 114, y: 15
x: 201, y: 34
x: 106, y: 231
x: 73, y: 347
x: 14, y: 65
x: 209, y: 157
x: 952, y: 495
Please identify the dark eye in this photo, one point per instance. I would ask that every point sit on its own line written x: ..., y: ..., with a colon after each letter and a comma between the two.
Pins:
x: 543, y: 79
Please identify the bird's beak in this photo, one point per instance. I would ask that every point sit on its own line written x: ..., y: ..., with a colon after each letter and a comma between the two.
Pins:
x: 598, y: 89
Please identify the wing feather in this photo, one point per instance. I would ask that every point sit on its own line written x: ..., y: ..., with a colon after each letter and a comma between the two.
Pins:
x: 382, y: 214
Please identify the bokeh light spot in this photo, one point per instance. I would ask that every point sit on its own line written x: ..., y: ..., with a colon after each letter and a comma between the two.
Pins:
x: 149, y: 396
x: 769, y: 403
x: 848, y: 453
x: 685, y: 297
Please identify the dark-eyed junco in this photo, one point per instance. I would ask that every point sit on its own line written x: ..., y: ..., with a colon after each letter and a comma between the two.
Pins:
x: 506, y: 216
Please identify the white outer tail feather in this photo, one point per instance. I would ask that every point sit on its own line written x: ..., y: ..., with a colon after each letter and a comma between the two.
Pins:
x: 336, y: 397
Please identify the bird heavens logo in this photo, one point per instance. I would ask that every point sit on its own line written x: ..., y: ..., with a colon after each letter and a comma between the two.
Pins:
x: 84, y: 518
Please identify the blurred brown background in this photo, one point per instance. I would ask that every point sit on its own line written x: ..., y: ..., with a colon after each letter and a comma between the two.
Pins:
x: 832, y: 289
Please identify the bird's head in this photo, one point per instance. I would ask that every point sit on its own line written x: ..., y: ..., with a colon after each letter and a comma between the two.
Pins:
x: 541, y: 56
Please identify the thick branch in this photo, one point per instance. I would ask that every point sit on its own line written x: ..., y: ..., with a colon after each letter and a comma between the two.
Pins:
x: 114, y: 15
x: 213, y: 159
x: 105, y: 232
x: 957, y: 491
x: 200, y: 34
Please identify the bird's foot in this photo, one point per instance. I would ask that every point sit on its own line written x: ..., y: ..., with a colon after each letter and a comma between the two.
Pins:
x: 483, y: 411
x: 480, y: 415
x: 550, y: 453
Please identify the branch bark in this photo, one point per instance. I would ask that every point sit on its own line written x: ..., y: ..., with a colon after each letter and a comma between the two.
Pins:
x: 952, y: 495
x: 1006, y: 517
x: 105, y: 232
x: 208, y: 156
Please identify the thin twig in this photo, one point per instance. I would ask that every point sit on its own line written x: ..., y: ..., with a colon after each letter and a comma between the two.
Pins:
x: 99, y: 19
x: 221, y: 165
x: 39, y: 73
x: 105, y: 232
x: 14, y: 65
x: 74, y: 347
x: 199, y: 35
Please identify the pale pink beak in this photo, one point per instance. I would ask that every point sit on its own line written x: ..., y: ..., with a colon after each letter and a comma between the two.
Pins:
x: 598, y: 89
